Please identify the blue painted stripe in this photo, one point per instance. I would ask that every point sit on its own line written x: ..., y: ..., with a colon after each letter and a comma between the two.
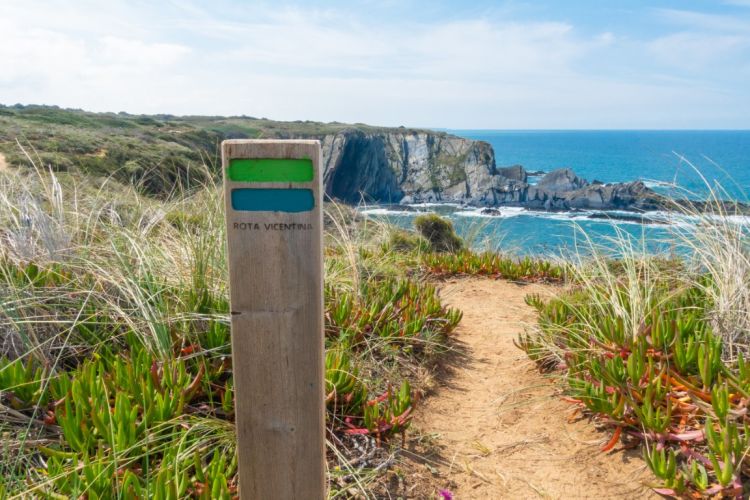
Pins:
x: 273, y: 200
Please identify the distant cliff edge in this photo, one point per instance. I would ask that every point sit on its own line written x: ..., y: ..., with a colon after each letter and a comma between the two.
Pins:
x: 410, y: 166
x: 361, y: 162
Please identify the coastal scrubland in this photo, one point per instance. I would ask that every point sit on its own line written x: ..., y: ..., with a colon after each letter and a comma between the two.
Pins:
x: 115, y: 368
x: 656, y: 350
x: 157, y: 153
x: 652, y: 348
x: 115, y: 365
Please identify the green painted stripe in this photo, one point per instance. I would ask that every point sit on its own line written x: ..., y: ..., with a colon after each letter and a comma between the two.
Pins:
x: 270, y: 170
x: 273, y: 200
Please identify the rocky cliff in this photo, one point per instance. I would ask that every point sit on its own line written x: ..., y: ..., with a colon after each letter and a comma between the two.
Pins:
x: 401, y: 166
x: 375, y: 164
x: 409, y: 166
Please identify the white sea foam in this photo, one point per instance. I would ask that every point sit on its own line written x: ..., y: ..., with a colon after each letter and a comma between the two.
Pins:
x: 410, y: 209
x: 742, y: 220
x: 514, y: 210
x: 657, y: 184
x: 476, y: 213
x: 428, y: 204
x: 739, y: 219
x: 497, y: 213
x: 383, y: 211
x: 650, y: 218
x: 681, y: 219
x: 572, y: 216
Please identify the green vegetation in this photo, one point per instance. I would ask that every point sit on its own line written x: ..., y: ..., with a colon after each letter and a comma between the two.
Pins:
x: 491, y: 264
x: 656, y: 350
x: 154, y: 152
x: 407, y: 241
x: 115, y: 367
x: 439, y: 233
x: 447, y: 170
x: 660, y: 380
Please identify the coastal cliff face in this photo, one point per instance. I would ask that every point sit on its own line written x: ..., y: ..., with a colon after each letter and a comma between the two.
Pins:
x: 405, y: 165
x: 361, y: 162
x: 395, y: 166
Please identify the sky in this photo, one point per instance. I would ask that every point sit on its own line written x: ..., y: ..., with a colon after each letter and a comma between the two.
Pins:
x: 545, y: 64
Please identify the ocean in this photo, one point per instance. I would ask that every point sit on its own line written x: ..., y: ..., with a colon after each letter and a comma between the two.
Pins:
x: 662, y: 159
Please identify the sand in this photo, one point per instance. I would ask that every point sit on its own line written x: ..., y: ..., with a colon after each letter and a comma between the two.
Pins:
x: 501, y: 428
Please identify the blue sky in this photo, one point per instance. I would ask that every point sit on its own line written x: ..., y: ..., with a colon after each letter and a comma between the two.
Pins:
x: 482, y: 64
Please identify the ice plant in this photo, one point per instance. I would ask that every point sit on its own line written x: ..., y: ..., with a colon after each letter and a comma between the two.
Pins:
x: 114, y: 353
x: 665, y: 386
x: 494, y: 265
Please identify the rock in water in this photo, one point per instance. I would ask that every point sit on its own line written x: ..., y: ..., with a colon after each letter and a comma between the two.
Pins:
x: 515, y: 173
x: 563, y: 179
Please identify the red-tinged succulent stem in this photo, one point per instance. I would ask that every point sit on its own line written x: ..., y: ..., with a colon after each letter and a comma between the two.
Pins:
x: 697, y: 435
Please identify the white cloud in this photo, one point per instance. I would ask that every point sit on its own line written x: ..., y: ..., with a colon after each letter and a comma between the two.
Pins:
x: 140, y: 54
x: 350, y: 47
x: 704, y: 21
x: 32, y: 55
x: 307, y: 63
x: 705, y: 42
x: 697, y: 51
x: 607, y: 38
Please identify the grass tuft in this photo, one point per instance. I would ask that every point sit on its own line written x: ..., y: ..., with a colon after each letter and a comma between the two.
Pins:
x: 115, y: 366
x: 656, y: 350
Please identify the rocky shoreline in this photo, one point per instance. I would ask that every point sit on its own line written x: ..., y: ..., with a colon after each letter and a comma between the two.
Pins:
x: 416, y: 166
x: 559, y: 190
x: 406, y: 166
x: 634, y: 217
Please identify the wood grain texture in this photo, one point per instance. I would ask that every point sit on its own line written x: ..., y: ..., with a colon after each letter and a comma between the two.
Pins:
x: 276, y: 291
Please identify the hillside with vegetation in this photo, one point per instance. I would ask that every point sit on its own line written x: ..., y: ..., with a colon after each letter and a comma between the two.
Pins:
x: 360, y: 162
x: 152, y: 151
x: 115, y: 366
x: 159, y: 152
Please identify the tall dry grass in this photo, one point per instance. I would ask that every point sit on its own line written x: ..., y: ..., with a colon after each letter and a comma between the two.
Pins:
x: 95, y: 275
x: 654, y: 346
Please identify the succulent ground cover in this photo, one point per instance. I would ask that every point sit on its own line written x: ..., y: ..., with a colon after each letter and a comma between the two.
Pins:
x: 115, y: 366
x: 655, y: 348
x: 495, y: 265
x: 664, y: 385
x: 651, y: 349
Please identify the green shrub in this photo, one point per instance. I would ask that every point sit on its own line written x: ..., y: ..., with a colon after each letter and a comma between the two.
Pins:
x: 406, y: 241
x: 185, y: 221
x: 439, y: 233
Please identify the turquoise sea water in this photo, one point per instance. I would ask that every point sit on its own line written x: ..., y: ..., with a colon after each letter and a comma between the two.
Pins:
x: 660, y: 158
x: 620, y: 156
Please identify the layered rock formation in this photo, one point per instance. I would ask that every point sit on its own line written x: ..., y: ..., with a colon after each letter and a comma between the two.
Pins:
x: 409, y: 166
x: 563, y: 190
x: 391, y: 166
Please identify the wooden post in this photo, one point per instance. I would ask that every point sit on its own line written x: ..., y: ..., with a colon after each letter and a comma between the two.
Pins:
x: 274, y: 198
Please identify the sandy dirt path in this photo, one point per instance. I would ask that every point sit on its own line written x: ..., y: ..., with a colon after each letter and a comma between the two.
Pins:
x: 501, y: 429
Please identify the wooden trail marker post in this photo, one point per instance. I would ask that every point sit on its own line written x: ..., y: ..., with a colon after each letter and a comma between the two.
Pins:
x: 273, y: 193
